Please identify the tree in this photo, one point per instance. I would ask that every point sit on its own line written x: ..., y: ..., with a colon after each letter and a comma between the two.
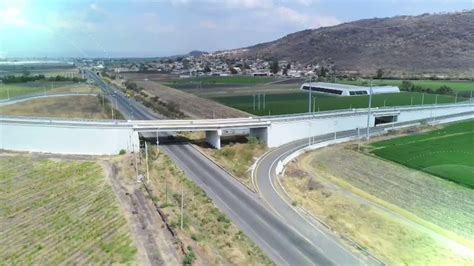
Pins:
x: 274, y: 68
x: 207, y: 69
x: 406, y: 85
x: 288, y: 66
x: 379, y: 74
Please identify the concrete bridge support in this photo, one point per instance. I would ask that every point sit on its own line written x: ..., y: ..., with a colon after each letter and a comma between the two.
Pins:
x: 213, y: 138
x: 260, y: 133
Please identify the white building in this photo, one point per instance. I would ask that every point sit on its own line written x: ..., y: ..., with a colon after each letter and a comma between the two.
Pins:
x: 347, y: 90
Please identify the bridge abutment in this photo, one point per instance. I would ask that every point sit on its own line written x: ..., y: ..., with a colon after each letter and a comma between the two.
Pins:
x: 213, y: 138
x: 260, y: 133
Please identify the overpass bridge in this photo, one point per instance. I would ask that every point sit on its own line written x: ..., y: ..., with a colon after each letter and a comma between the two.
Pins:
x: 109, y: 137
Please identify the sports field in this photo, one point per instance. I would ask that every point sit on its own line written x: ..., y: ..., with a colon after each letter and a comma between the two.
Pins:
x: 290, y: 103
x: 210, y: 82
x: 447, y: 153
x: 54, y: 212
x: 457, y: 85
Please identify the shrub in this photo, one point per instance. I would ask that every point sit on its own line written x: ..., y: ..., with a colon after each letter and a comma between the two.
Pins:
x: 122, y: 152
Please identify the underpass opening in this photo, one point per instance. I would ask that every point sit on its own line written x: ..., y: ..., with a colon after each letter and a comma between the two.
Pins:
x: 379, y: 120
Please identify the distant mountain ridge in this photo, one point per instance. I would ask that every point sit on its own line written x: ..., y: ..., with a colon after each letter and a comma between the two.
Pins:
x: 405, y: 46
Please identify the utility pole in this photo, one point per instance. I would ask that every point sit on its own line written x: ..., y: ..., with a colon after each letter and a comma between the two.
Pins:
x: 136, y: 161
x: 112, y: 108
x: 309, y: 95
x: 456, y: 98
x: 436, y: 99
x: 254, y: 101
x: 314, y: 104
x: 471, y: 96
x: 146, y: 162
x: 258, y: 101
x: 384, y: 100
x: 182, y: 207
x: 8, y: 93
x: 423, y: 99
x: 368, y: 111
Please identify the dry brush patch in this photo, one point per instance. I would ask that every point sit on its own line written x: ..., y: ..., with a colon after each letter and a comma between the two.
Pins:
x: 56, y: 211
x: 384, y: 208
x: 207, y: 232
x: 238, y: 158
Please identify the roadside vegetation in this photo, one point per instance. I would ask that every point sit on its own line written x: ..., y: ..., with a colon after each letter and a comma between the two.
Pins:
x: 78, y: 107
x: 208, y: 235
x: 55, y: 211
x: 238, y: 156
x: 169, y: 109
x: 447, y: 152
x: 385, y: 208
x: 26, y: 78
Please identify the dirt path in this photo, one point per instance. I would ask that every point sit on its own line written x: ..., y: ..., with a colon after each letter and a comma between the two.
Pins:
x: 154, y: 243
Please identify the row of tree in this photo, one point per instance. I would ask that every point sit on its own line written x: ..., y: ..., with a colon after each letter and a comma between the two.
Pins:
x: 443, y: 90
x: 26, y: 78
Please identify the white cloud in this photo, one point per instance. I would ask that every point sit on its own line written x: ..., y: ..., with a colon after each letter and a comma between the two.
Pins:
x: 299, y: 19
x: 12, y: 16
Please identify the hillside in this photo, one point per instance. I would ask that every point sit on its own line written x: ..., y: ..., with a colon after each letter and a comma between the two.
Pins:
x: 437, y: 44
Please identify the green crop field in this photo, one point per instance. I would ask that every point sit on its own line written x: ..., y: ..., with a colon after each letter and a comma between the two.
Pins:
x: 20, y: 89
x: 209, y: 82
x: 289, y: 103
x: 60, y: 212
x: 457, y: 85
x: 447, y: 153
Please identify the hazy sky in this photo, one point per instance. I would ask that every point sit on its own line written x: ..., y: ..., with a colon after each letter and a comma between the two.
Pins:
x: 117, y: 28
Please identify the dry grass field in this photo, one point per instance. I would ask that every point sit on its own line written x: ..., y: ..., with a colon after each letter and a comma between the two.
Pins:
x: 401, y: 215
x: 59, y: 212
x: 79, y: 107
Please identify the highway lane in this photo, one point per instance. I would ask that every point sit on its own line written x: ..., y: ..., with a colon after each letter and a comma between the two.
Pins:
x: 128, y: 107
x: 281, y: 241
x: 271, y: 193
x: 283, y: 244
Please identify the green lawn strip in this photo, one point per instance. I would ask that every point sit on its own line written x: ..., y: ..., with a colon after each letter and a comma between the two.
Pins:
x: 447, y: 153
x: 289, y: 103
x: 218, y: 81
x: 458, y: 85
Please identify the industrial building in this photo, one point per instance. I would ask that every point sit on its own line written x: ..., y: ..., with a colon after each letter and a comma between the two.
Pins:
x: 347, y: 90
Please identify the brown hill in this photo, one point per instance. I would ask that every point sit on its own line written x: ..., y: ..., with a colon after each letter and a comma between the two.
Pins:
x: 429, y: 44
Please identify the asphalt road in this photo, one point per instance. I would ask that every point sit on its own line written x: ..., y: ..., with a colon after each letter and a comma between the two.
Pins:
x: 277, y: 238
x: 285, y: 236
